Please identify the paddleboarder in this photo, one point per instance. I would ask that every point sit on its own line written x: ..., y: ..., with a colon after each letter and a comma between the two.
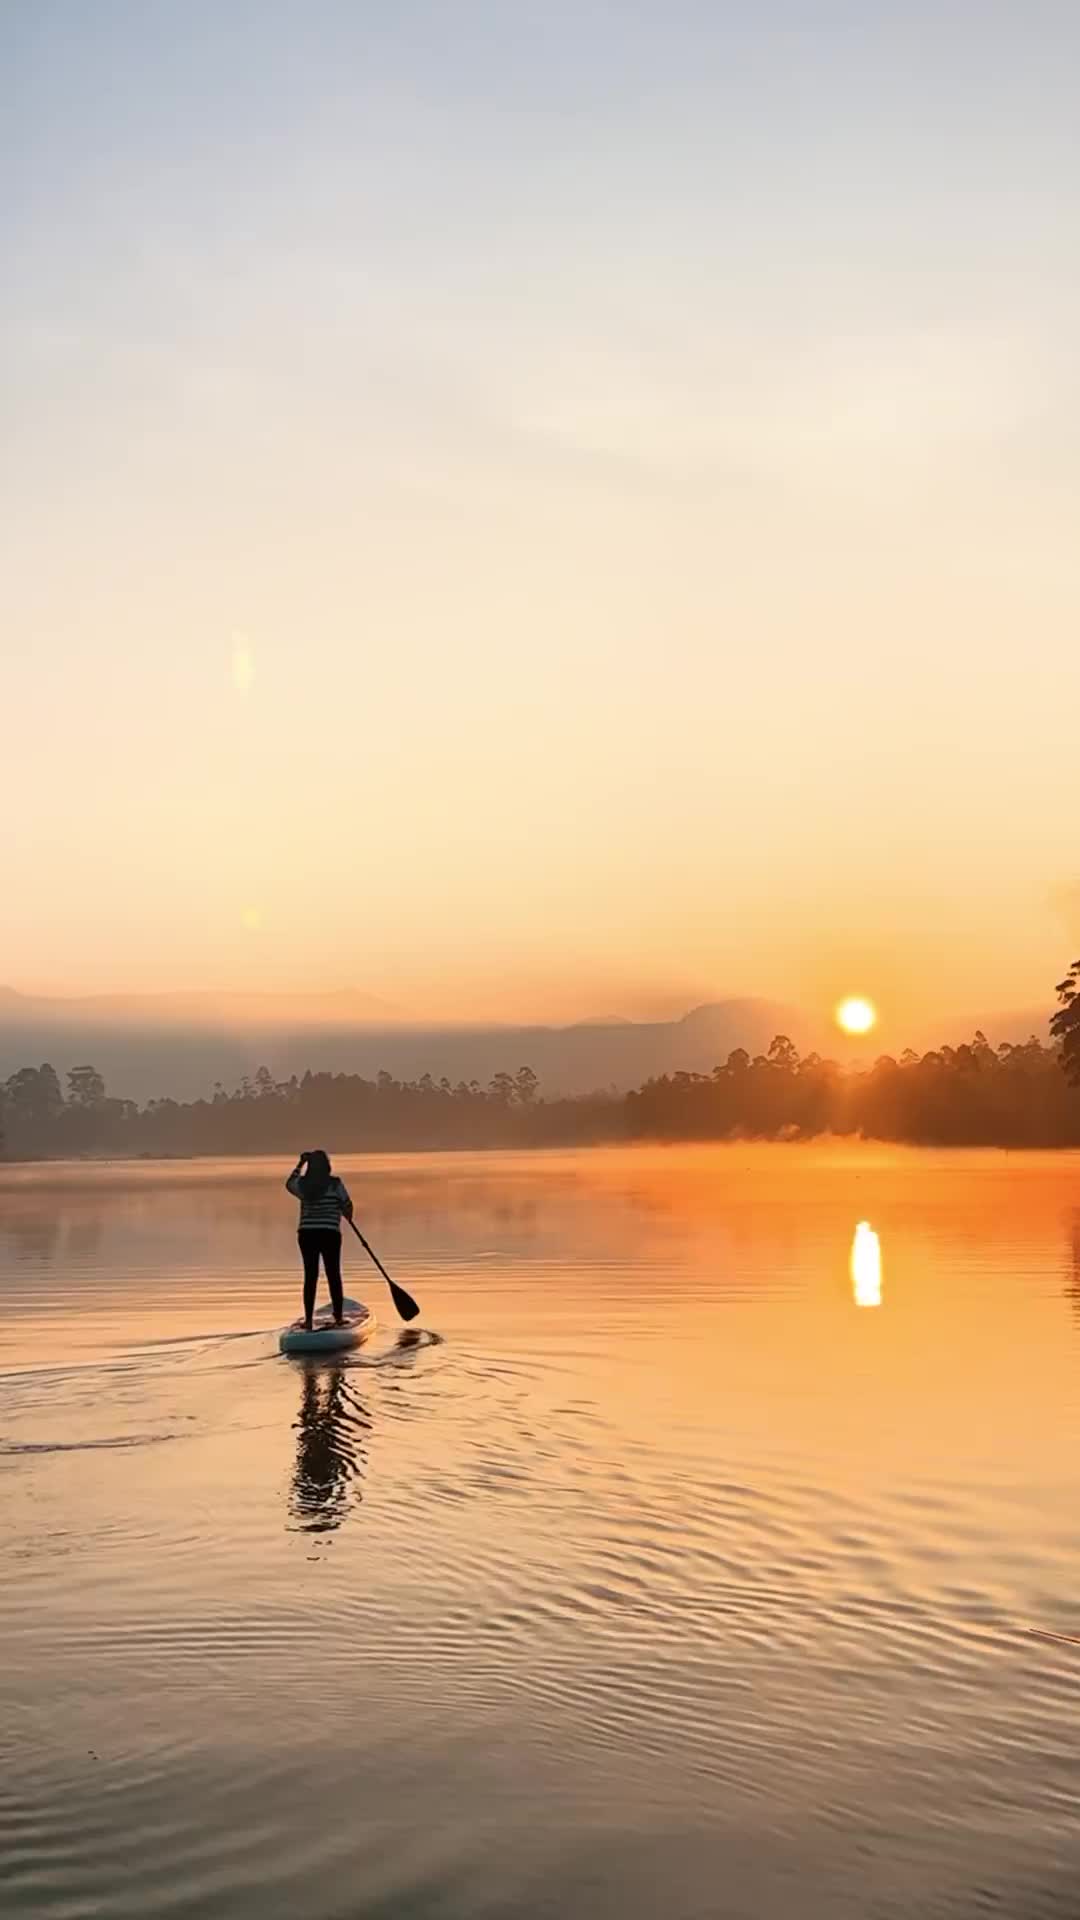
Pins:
x: 324, y: 1200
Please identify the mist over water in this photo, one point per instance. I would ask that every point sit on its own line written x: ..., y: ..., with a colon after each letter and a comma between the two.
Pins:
x: 682, y: 1561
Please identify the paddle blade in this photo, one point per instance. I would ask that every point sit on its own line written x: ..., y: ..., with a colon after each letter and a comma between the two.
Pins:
x: 403, y: 1301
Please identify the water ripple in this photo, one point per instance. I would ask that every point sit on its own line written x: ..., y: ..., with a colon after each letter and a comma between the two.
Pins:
x: 659, y: 1580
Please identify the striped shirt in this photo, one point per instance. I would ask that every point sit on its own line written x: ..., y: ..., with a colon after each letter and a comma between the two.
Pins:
x: 327, y: 1210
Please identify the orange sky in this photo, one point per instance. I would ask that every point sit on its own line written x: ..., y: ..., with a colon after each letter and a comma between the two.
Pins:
x: 543, y: 537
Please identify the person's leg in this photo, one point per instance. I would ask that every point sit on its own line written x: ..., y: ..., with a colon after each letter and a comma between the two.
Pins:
x: 332, y: 1263
x: 309, y: 1253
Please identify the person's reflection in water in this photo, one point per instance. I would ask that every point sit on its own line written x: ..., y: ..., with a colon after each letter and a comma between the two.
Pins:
x: 330, y: 1453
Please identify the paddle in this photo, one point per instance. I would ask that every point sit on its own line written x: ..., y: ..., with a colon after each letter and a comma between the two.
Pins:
x: 403, y: 1301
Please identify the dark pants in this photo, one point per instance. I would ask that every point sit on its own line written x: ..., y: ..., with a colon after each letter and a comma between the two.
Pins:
x: 325, y: 1242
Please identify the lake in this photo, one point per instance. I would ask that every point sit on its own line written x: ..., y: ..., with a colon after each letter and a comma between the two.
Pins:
x: 684, y: 1563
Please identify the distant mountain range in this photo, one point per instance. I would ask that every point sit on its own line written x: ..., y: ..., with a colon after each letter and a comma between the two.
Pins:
x: 180, y: 1044
x: 346, y: 1005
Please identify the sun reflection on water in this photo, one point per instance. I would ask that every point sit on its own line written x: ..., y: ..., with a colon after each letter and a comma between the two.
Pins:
x: 866, y: 1266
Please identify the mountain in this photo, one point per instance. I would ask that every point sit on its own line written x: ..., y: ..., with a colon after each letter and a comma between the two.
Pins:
x: 346, y: 1005
x: 179, y: 1045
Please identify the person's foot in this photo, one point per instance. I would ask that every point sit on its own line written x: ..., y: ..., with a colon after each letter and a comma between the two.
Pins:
x: 307, y: 1326
x: 339, y: 1319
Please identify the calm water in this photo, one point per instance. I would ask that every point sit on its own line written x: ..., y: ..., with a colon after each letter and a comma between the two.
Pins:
x: 675, y: 1568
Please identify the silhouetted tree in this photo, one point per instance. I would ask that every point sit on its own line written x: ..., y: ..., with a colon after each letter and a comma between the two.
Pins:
x: 782, y: 1053
x: 1065, y: 1025
x: 34, y: 1092
x: 526, y: 1086
x: 33, y: 1103
x: 86, y: 1088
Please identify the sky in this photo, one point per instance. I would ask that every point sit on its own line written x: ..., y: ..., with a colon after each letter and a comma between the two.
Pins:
x: 541, y: 510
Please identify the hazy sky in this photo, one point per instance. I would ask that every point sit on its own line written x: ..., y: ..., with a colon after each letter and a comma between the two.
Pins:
x: 541, y: 508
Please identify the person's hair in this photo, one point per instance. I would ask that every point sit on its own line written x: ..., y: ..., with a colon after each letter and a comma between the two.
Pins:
x: 316, y: 1179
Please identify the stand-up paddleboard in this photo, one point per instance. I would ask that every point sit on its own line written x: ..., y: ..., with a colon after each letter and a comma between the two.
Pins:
x: 324, y: 1336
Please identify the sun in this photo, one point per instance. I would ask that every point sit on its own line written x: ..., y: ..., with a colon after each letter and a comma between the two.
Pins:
x: 856, y: 1015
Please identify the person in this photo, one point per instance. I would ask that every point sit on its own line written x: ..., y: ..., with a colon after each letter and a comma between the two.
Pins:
x: 323, y: 1199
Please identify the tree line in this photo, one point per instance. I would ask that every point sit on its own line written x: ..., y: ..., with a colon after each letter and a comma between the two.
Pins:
x: 971, y: 1095
x: 40, y: 1118
x: 1025, y: 1095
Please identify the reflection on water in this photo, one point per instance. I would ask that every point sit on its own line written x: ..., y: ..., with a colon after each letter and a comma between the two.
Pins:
x: 660, y: 1542
x: 866, y: 1266
x: 330, y: 1452
x: 1072, y: 1283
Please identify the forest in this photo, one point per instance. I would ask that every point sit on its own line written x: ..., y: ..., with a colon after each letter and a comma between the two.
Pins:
x: 1024, y: 1095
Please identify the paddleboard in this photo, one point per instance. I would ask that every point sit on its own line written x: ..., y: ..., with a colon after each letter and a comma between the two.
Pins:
x: 324, y: 1336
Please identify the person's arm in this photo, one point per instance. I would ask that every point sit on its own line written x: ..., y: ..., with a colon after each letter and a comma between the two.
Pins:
x: 346, y: 1203
x: 292, y: 1184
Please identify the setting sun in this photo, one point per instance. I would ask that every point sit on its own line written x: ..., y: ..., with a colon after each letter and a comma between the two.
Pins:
x: 856, y: 1015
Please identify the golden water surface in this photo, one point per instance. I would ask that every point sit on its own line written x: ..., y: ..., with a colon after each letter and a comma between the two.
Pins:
x: 683, y: 1563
